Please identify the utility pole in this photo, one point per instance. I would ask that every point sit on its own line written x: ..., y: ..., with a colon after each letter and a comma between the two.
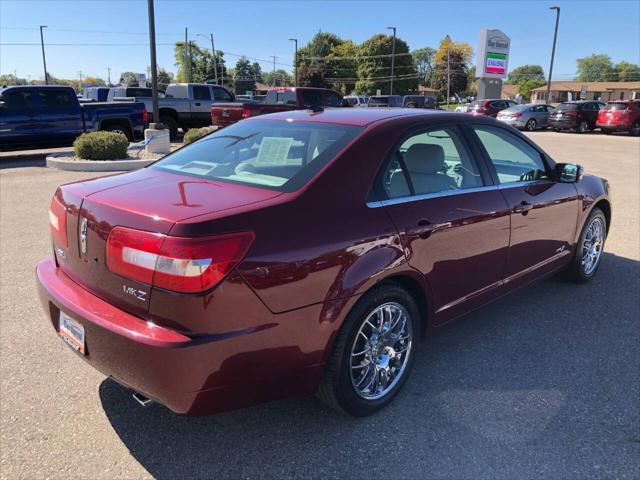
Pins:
x: 553, y: 51
x: 44, y: 60
x: 448, y: 75
x: 393, y: 57
x: 273, y: 77
x: 154, y: 66
x: 295, y: 60
x: 186, y: 56
x: 80, y: 75
x: 108, y: 76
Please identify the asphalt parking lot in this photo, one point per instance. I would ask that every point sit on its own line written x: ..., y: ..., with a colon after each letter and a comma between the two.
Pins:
x: 542, y: 384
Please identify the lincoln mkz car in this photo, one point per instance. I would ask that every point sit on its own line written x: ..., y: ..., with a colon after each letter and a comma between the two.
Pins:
x: 306, y: 253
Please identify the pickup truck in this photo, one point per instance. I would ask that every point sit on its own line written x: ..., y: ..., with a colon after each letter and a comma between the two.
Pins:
x: 186, y: 105
x: 279, y: 99
x: 44, y: 116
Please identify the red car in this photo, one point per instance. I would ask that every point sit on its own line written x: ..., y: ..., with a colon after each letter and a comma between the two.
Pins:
x: 308, y: 252
x: 620, y: 116
x: 489, y: 107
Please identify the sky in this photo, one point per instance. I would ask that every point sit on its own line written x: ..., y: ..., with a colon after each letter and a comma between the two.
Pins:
x: 260, y: 29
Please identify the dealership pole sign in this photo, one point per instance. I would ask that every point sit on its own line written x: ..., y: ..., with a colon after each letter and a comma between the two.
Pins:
x: 493, y: 54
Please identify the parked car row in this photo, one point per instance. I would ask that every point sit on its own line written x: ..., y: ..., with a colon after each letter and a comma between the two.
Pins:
x: 579, y: 116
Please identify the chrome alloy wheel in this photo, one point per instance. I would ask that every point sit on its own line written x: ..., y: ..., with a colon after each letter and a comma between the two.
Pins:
x: 381, y: 350
x: 592, y: 246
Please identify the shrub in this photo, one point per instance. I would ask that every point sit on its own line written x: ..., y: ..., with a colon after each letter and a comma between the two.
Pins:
x: 101, y: 146
x: 195, y: 134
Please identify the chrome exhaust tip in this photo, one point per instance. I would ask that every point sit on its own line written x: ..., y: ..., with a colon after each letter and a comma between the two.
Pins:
x: 141, y: 399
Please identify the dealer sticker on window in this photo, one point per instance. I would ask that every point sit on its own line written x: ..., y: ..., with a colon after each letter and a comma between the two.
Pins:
x: 72, y: 332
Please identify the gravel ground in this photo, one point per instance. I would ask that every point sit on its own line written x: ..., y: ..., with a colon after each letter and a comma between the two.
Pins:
x: 542, y: 384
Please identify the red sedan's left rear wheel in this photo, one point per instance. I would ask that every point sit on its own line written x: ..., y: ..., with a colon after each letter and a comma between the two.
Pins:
x: 374, y: 352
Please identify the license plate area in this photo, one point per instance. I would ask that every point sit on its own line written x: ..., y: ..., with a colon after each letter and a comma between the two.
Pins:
x: 72, y: 332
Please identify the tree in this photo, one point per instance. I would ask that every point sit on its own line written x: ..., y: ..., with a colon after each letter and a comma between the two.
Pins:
x: 456, y: 68
x: 627, y: 72
x: 424, y: 60
x: 312, y: 61
x: 281, y: 78
x: 374, y: 66
x: 342, y: 67
x: 525, y: 87
x: 199, y: 62
x: 257, y: 71
x: 128, y: 78
x: 12, y: 80
x: 245, y: 79
x: 94, y: 81
x: 595, y: 68
x: 524, y: 73
x: 164, y: 77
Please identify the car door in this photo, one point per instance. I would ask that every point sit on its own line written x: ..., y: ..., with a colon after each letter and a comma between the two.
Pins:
x: 200, y: 105
x: 59, y: 118
x: 17, y: 118
x: 543, y: 212
x: 453, y: 222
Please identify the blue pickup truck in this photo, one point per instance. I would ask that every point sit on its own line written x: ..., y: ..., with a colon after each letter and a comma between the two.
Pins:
x: 46, y: 116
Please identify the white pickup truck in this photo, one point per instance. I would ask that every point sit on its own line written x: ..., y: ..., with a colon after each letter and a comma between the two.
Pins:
x: 185, y: 105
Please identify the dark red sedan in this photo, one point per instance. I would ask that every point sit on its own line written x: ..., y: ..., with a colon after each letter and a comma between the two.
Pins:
x: 308, y: 252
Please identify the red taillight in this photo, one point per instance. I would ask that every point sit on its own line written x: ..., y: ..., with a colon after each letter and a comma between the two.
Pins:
x: 58, y: 222
x: 180, y: 264
x: 145, y: 114
x: 246, y: 112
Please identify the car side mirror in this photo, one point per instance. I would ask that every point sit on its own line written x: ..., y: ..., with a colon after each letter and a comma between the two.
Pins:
x: 569, y: 172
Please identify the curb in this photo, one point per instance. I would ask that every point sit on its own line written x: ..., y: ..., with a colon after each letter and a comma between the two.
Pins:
x: 58, y: 161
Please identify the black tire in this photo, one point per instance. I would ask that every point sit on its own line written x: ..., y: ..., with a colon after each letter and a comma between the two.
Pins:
x: 606, y: 131
x: 171, y: 125
x: 635, y: 129
x: 531, y: 125
x: 336, y: 388
x: 557, y: 130
x: 576, y: 271
x: 119, y: 129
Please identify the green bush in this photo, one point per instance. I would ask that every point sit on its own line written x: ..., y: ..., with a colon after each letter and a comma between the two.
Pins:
x: 101, y: 146
x: 195, y: 134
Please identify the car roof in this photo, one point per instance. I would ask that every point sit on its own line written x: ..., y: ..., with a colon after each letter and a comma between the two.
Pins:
x: 358, y: 116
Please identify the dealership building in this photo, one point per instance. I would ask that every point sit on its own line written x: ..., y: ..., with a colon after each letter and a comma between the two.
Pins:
x: 605, y: 91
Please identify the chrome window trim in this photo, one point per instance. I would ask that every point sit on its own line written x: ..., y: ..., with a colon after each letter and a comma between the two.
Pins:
x: 449, y: 193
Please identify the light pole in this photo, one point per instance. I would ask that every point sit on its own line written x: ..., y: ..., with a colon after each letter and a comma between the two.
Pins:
x: 273, y: 76
x: 154, y: 66
x: 213, y: 55
x: 553, y: 51
x: 393, y: 57
x: 295, y: 61
x: 44, y: 60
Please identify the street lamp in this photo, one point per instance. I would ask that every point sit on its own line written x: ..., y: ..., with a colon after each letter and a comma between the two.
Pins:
x: 553, y: 51
x: 393, y: 56
x: 154, y: 66
x: 213, y: 55
x: 44, y: 60
x: 295, y: 61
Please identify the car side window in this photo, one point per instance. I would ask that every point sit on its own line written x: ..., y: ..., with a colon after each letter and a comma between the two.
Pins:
x: 513, y: 158
x: 334, y: 100
x: 222, y: 94
x: 431, y: 162
x: 57, y: 98
x: 17, y: 100
x: 201, y: 93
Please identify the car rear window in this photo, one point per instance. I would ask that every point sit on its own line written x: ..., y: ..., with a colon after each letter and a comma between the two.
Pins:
x: 617, y: 106
x: 568, y: 107
x: 277, y: 155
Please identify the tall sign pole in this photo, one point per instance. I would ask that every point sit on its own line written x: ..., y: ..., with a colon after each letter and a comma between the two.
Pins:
x: 44, y: 60
x: 213, y: 54
x: 492, y: 62
x: 154, y: 66
x: 295, y: 59
x: 553, y: 51
x: 393, y: 57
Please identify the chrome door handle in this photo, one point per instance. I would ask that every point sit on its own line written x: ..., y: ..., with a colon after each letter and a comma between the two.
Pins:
x: 523, y: 208
x: 426, y: 228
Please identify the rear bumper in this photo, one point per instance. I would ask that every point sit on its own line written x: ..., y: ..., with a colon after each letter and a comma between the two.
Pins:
x: 191, y: 376
x: 563, y: 124
x: 614, y: 126
x: 514, y: 122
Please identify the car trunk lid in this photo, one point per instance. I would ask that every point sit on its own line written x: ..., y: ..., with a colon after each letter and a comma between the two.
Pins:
x: 148, y: 200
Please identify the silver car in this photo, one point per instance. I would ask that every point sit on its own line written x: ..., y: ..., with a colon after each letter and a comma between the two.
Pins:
x: 529, y: 116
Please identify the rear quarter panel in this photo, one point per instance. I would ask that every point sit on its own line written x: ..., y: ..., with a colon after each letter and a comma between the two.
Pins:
x: 592, y: 191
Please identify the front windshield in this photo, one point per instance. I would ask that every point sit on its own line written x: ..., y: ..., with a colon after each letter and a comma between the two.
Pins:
x: 273, y: 154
